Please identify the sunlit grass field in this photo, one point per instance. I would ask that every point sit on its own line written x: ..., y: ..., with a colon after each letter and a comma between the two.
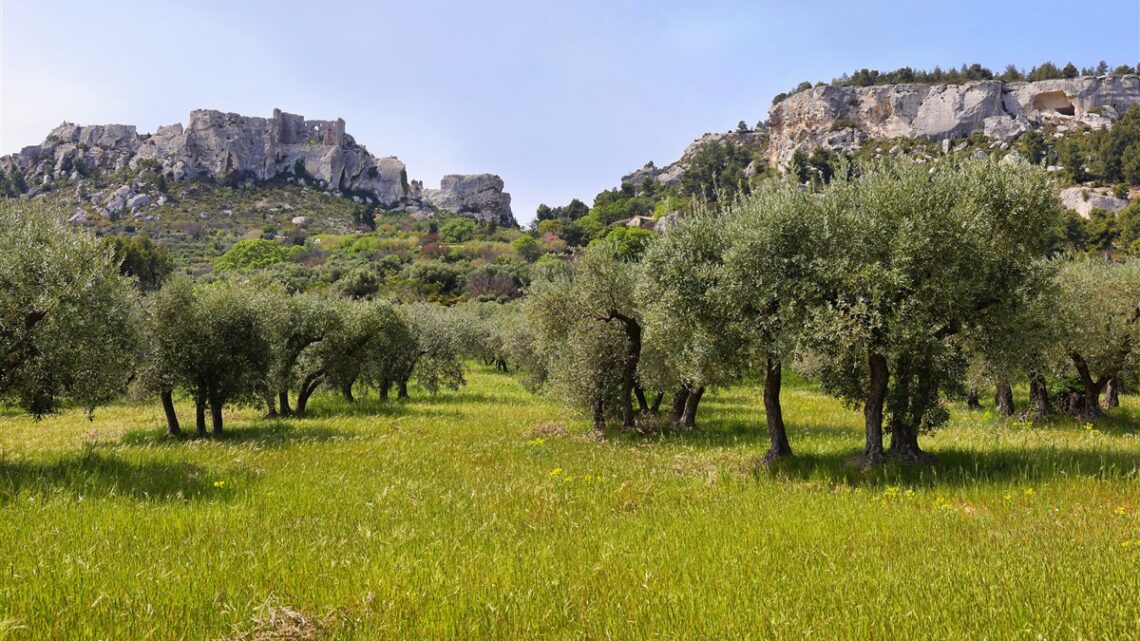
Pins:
x: 456, y: 517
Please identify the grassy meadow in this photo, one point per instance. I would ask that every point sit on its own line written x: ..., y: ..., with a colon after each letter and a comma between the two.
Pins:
x: 474, y: 515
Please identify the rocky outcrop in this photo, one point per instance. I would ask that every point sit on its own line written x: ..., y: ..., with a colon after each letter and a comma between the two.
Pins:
x: 671, y: 173
x: 479, y: 196
x: 232, y: 148
x: 843, y: 118
x: 1085, y: 199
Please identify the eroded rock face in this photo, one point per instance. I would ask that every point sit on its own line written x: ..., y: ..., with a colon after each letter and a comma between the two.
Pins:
x: 842, y: 118
x: 233, y: 148
x: 226, y: 146
x: 480, y: 196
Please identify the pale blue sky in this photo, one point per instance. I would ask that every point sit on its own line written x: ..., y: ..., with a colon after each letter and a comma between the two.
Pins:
x: 559, y: 98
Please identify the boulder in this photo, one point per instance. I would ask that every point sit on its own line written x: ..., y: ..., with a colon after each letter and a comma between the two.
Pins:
x: 1084, y: 199
x: 137, y: 201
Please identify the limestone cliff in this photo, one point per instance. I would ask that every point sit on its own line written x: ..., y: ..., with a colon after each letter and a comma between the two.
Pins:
x: 232, y: 148
x: 845, y: 117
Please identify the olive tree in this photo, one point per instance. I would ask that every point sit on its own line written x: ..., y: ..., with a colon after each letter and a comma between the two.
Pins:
x: 66, y: 324
x: 1019, y: 340
x: 213, y: 342
x: 362, y: 345
x: 438, y: 341
x: 1099, y: 304
x: 168, y: 345
x: 684, y: 306
x: 919, y: 262
x: 296, y: 323
x: 581, y: 354
x: 605, y: 288
x: 768, y: 285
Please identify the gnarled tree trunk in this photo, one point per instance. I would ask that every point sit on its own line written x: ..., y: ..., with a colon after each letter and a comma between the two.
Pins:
x: 283, y: 402
x: 972, y: 401
x: 402, y: 389
x: 216, y: 403
x: 308, y: 385
x: 873, y: 407
x: 642, y: 402
x: 1112, y: 393
x: 629, y: 367
x: 655, y: 406
x: 692, y: 402
x: 270, y: 404
x: 1003, y: 398
x: 679, y: 399
x: 778, y: 446
x: 913, y: 394
x: 200, y: 412
x: 172, y: 427
x: 1093, y: 387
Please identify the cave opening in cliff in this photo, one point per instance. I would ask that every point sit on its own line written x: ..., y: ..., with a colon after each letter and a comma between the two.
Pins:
x: 1055, y: 101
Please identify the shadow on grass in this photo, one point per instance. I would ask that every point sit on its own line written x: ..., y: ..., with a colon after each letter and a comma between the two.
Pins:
x: 334, y: 407
x: 959, y: 467
x: 266, y: 433
x: 93, y: 474
x: 950, y: 466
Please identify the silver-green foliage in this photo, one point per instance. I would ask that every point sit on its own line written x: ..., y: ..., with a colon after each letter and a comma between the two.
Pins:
x: 66, y: 329
x: 211, y: 341
x: 918, y: 265
x: 1099, y: 303
x: 571, y: 312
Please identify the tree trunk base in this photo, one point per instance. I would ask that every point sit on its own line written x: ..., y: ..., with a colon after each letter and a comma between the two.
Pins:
x: 911, y: 456
x: 774, y: 455
x: 866, y: 459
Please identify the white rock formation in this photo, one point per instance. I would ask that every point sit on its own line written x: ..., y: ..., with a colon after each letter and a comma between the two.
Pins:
x: 479, y: 196
x: 999, y: 110
x: 1084, y: 199
x: 236, y: 149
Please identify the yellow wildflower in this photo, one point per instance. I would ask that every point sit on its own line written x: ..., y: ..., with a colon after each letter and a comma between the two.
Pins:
x: 555, y: 472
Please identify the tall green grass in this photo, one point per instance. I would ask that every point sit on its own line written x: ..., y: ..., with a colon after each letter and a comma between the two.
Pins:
x: 453, y: 517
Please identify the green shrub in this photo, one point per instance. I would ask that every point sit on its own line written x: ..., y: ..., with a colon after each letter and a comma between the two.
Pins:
x: 457, y: 230
x: 252, y: 254
x: 527, y: 248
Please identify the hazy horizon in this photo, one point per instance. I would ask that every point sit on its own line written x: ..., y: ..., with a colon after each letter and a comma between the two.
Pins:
x: 559, y: 99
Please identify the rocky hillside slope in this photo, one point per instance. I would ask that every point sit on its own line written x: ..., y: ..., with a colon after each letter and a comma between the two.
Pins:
x: 234, y: 150
x: 843, y: 118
